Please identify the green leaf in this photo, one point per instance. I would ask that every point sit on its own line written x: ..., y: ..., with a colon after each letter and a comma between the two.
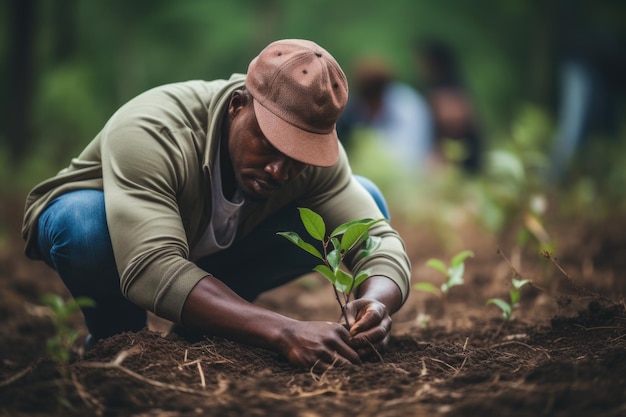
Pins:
x: 341, y: 229
x: 506, y: 165
x: 371, y: 245
x: 353, y: 236
x: 54, y: 301
x: 336, y: 243
x: 438, y: 265
x: 71, y: 338
x: 313, y: 223
x: 455, y: 275
x: 361, y: 276
x: 514, y: 297
x: 344, y: 281
x: 426, y: 286
x: 71, y: 307
x: 334, y: 259
x: 74, y: 305
x: 506, y: 308
x: 294, y: 238
x: 57, y: 351
x: 85, y: 302
x: 519, y: 283
x: 460, y: 257
x: 326, y: 273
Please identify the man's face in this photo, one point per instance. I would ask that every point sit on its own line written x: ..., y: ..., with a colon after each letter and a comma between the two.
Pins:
x: 260, y: 169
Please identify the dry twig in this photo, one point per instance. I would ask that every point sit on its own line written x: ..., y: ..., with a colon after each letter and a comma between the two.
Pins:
x: 197, y: 362
x: 517, y: 342
x: 577, y: 287
x: 444, y: 363
x: 18, y: 375
x: 517, y: 274
x: 89, y: 400
x: 116, y: 363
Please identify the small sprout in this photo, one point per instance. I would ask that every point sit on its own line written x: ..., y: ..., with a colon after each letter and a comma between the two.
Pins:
x: 514, y: 296
x: 453, y: 274
x: 533, y: 228
x: 507, y: 309
x: 345, y: 238
x: 60, y: 344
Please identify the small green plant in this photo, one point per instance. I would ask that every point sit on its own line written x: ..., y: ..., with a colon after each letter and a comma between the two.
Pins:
x: 341, y: 241
x: 61, y: 342
x: 453, y: 274
x: 533, y: 228
x: 514, y: 296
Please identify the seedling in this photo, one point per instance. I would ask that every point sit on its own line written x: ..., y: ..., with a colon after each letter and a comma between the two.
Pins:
x: 453, y: 274
x: 514, y: 295
x: 345, y: 238
x: 60, y: 344
x: 533, y: 228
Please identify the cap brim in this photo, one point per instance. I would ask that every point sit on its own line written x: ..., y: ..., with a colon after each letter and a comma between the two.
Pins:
x: 307, y: 147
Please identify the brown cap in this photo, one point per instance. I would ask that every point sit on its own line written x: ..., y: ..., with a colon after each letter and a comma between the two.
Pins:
x: 299, y: 92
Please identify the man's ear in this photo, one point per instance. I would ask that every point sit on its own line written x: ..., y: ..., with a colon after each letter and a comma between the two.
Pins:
x: 238, y: 100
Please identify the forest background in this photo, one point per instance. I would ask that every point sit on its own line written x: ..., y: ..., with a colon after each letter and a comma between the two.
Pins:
x: 67, y: 65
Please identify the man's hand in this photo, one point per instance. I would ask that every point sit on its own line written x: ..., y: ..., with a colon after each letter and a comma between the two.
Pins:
x: 213, y: 308
x: 369, y: 315
x: 318, y: 344
x: 370, y: 326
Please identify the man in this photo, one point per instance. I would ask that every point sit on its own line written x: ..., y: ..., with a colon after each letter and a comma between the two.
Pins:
x: 178, y: 199
x: 393, y: 111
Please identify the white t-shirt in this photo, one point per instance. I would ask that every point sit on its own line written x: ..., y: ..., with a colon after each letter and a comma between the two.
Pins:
x: 222, y: 228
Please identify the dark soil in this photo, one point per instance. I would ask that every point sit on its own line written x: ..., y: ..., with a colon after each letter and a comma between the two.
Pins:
x: 563, y: 354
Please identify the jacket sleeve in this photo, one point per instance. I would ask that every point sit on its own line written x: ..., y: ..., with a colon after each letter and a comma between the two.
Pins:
x: 338, y: 198
x: 142, y: 173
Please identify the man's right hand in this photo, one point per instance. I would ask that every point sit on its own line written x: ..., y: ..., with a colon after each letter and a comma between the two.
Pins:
x: 318, y: 344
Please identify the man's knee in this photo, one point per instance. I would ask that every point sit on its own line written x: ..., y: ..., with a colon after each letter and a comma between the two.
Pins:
x: 376, y: 194
x: 74, y: 226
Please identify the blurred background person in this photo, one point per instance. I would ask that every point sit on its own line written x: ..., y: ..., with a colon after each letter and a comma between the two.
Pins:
x: 591, y: 69
x: 394, y: 112
x: 458, y: 138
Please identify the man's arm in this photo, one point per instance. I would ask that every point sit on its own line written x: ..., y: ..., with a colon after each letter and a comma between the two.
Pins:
x: 382, y: 289
x: 213, y: 308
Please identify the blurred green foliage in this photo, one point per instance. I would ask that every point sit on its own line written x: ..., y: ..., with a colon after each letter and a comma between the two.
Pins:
x: 92, y: 56
x: 89, y: 57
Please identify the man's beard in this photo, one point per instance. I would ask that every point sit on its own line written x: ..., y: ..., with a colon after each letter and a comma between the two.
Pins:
x: 249, y: 193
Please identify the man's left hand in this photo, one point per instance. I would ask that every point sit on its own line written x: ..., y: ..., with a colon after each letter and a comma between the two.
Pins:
x: 370, y: 326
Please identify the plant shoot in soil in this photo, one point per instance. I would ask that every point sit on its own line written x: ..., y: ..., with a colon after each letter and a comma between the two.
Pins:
x: 453, y: 274
x: 335, y: 246
x: 514, y: 296
x: 60, y: 344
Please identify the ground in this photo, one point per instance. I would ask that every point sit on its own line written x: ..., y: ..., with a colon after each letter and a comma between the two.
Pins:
x: 562, y: 354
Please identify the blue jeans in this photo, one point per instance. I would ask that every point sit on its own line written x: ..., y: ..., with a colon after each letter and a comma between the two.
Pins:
x: 74, y: 240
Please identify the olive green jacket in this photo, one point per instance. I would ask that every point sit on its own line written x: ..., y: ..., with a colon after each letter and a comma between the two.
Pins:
x: 153, y: 160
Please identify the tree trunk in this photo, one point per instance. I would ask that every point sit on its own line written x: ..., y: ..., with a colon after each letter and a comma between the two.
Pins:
x: 21, y: 76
